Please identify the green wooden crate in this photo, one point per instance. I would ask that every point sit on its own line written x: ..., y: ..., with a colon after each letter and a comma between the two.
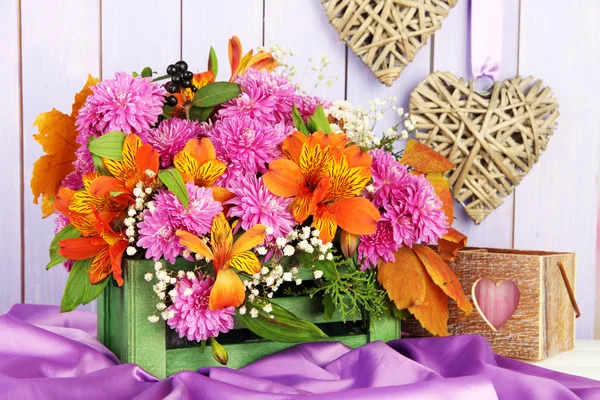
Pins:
x: 124, y: 328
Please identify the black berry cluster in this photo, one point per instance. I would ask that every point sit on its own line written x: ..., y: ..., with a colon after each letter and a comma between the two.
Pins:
x: 180, y: 78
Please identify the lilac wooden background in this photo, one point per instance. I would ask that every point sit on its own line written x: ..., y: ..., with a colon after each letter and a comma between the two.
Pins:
x: 47, y: 48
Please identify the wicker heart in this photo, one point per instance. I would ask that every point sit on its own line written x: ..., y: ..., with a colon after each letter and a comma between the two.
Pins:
x: 494, y: 138
x: 496, y: 303
x: 386, y: 34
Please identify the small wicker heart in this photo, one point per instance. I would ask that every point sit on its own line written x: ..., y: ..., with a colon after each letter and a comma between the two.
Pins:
x: 494, y: 138
x: 386, y: 34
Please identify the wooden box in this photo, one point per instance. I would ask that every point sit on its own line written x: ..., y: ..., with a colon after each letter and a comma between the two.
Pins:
x: 543, y: 323
x: 124, y: 328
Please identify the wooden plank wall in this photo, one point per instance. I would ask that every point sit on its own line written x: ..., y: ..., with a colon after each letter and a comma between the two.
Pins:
x: 50, y: 45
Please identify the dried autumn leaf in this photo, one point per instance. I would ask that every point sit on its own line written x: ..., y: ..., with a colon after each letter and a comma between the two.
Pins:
x: 47, y: 207
x: 443, y: 276
x: 450, y: 244
x: 57, y: 135
x: 403, y: 279
x: 433, y: 312
x: 424, y: 159
x: 442, y: 190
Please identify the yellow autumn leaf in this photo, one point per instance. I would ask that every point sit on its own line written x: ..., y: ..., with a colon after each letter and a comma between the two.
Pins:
x: 57, y: 136
x: 443, y: 276
x: 433, y: 313
x: 403, y: 279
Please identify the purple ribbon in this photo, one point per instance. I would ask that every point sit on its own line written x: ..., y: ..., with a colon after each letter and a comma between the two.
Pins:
x: 486, y: 38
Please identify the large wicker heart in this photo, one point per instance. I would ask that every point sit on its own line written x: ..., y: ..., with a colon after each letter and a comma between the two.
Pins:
x: 494, y: 138
x: 386, y: 34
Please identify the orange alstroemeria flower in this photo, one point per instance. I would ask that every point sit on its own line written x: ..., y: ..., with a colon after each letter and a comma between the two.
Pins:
x: 198, y: 163
x: 239, y: 65
x: 140, y: 164
x: 228, y: 289
x: 103, y: 245
x: 324, y: 175
x: 199, y: 81
x: 81, y: 202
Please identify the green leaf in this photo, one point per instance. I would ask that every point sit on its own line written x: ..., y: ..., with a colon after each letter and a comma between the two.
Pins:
x: 79, y: 289
x: 285, y: 327
x: 200, y: 114
x: 328, y: 307
x: 216, y: 93
x: 135, y: 74
x: 68, y: 232
x: 76, y: 285
x: 109, y: 145
x: 298, y: 121
x: 174, y: 182
x: 99, y: 165
x: 147, y: 72
x: 328, y: 267
x: 213, y: 62
x: 93, y: 291
x: 320, y: 120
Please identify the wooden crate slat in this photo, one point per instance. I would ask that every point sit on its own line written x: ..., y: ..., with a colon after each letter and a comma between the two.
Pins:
x: 192, y: 358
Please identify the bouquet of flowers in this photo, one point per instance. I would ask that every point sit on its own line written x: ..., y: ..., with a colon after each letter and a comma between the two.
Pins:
x: 257, y: 184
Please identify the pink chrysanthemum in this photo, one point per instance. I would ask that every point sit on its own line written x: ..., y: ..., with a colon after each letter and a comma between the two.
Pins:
x: 125, y: 104
x: 191, y: 315
x: 415, y: 213
x: 267, y: 97
x: 157, y: 236
x: 72, y: 181
x: 254, y: 204
x: 171, y: 136
x: 308, y: 104
x: 157, y: 230
x: 379, y: 246
x: 425, y: 209
x: 245, y: 145
x: 389, y: 177
x: 403, y: 228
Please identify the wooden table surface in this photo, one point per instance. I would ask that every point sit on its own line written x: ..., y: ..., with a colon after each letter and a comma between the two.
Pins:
x: 583, y: 360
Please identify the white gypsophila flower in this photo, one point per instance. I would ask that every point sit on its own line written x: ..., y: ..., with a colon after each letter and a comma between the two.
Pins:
x: 242, y: 310
x: 180, y: 274
x: 269, y: 230
x: 298, y: 281
x: 164, y: 315
x: 251, y: 297
x: 173, y: 280
x: 148, y: 190
x: 255, y: 292
x: 150, y: 206
x: 198, y: 257
x: 287, y: 276
x: 131, y: 212
x: 264, y: 270
x: 131, y: 240
x: 130, y: 231
x: 315, y: 241
x: 158, y: 266
x: 188, y: 292
x: 281, y: 242
x: 129, y: 221
x: 161, y: 295
x: 173, y: 293
x: 161, y: 306
x: 138, y: 192
x: 153, y: 318
x: 306, y: 230
x: 321, y: 257
x: 270, y: 295
x: 329, y: 256
x: 261, y: 250
x: 318, y: 274
x: 190, y: 275
x: 148, y: 276
x: 293, y: 235
x: 254, y: 313
x: 150, y: 174
x: 288, y: 251
x: 278, y: 269
x: 370, y: 188
x: 268, y: 308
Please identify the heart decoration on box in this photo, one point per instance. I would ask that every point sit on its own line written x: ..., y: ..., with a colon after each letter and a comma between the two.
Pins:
x: 496, y: 303
x: 386, y: 34
x: 494, y: 138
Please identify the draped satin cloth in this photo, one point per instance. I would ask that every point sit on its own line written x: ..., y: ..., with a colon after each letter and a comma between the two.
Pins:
x: 48, y: 355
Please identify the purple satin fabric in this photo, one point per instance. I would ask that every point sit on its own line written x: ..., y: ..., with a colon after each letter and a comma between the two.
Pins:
x: 47, y: 355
